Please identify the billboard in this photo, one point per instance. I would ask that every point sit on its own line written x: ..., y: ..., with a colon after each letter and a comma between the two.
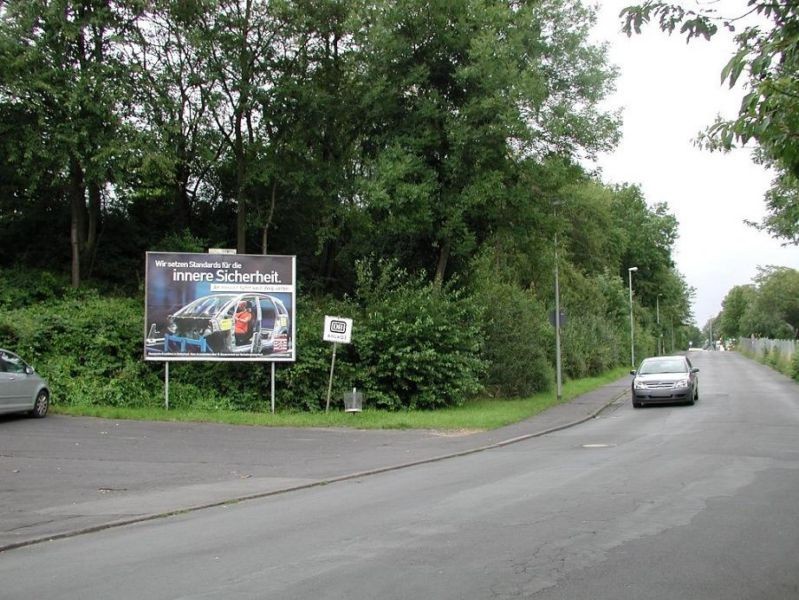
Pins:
x: 219, y: 307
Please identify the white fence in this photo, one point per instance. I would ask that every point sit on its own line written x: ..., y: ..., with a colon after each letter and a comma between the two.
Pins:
x: 760, y: 346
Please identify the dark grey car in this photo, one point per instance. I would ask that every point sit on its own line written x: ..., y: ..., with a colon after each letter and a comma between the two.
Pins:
x: 665, y: 379
x: 21, y: 388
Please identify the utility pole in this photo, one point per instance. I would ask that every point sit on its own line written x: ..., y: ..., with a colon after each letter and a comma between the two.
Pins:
x: 557, y: 320
x: 557, y: 327
x: 632, y: 322
x: 657, y: 312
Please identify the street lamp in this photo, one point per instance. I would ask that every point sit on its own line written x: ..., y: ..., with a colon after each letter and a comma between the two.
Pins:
x: 632, y: 323
x: 657, y: 312
x: 558, y: 362
x: 558, y: 367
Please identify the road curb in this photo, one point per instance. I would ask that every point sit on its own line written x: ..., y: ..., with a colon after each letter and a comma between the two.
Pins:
x: 305, y: 486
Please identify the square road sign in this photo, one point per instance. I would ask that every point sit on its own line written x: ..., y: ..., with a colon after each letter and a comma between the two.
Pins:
x: 337, y: 329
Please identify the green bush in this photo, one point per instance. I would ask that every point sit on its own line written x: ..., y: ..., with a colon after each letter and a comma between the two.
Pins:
x: 774, y: 359
x: 590, y: 346
x: 517, y: 338
x: 89, y: 347
x: 418, y: 346
x: 20, y: 287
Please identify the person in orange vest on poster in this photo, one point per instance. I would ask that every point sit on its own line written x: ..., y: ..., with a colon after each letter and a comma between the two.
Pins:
x: 243, y: 322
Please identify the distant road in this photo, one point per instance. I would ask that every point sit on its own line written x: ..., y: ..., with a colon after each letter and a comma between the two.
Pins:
x: 666, y: 503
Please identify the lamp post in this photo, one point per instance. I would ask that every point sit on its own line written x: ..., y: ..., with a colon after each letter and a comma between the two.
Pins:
x: 558, y: 367
x: 657, y: 313
x: 558, y: 360
x: 632, y: 322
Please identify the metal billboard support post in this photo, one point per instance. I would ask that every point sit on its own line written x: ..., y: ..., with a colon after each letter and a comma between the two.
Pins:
x: 273, y: 387
x: 330, y: 383
x: 166, y: 385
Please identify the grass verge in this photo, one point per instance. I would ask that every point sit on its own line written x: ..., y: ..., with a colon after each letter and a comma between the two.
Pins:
x: 475, y: 415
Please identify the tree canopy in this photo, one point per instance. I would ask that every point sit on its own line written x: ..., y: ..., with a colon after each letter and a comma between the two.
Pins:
x: 768, y: 307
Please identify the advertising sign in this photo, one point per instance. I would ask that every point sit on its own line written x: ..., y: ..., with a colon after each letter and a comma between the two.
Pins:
x: 219, y: 307
x: 337, y: 329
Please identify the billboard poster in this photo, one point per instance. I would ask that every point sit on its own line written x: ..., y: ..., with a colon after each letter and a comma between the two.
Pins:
x: 219, y: 307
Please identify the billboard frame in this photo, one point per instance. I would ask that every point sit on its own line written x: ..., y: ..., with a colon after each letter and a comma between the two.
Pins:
x: 192, y: 314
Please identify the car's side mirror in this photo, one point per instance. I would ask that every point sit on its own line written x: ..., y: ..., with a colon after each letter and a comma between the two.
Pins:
x: 695, y: 370
x: 28, y: 370
x: 632, y: 372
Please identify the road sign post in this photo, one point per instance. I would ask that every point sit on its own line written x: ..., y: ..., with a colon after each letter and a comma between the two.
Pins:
x: 339, y: 331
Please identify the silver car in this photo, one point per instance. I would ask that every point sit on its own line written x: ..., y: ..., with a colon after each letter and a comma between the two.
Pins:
x: 21, y: 388
x: 665, y: 379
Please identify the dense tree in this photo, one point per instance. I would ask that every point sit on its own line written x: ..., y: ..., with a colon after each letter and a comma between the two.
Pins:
x: 768, y: 307
x: 62, y: 68
x: 647, y: 241
x: 170, y: 117
x: 768, y: 57
x: 733, y: 308
x: 237, y: 42
x: 461, y: 94
x: 314, y: 131
x: 774, y: 312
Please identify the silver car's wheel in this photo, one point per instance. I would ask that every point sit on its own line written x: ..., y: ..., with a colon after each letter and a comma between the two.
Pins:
x: 41, y: 405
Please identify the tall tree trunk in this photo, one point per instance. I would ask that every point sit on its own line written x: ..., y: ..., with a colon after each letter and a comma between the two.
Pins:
x: 441, y: 267
x: 75, y: 243
x: 241, y: 212
x: 241, y: 176
x: 180, y: 194
x: 89, y: 252
x: 268, y: 223
x: 78, y: 217
x: 242, y: 118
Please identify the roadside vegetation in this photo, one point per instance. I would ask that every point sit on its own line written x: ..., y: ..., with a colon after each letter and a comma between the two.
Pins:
x: 476, y: 414
x: 426, y: 162
x: 89, y: 346
x: 762, y: 319
x: 785, y: 363
x: 766, y: 308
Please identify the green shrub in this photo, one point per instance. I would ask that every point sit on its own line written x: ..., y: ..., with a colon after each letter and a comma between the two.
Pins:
x: 773, y: 360
x: 517, y: 339
x: 590, y: 346
x: 419, y: 344
x: 182, y: 241
x: 89, y: 347
x: 20, y: 287
x: 795, y: 365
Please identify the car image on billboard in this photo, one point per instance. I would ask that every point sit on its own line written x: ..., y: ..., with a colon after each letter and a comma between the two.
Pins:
x: 230, y: 323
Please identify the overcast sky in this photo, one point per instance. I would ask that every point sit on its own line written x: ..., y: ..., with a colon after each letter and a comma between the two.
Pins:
x: 669, y: 91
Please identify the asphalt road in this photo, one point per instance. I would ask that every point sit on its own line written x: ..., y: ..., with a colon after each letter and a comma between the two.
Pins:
x: 658, y: 503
